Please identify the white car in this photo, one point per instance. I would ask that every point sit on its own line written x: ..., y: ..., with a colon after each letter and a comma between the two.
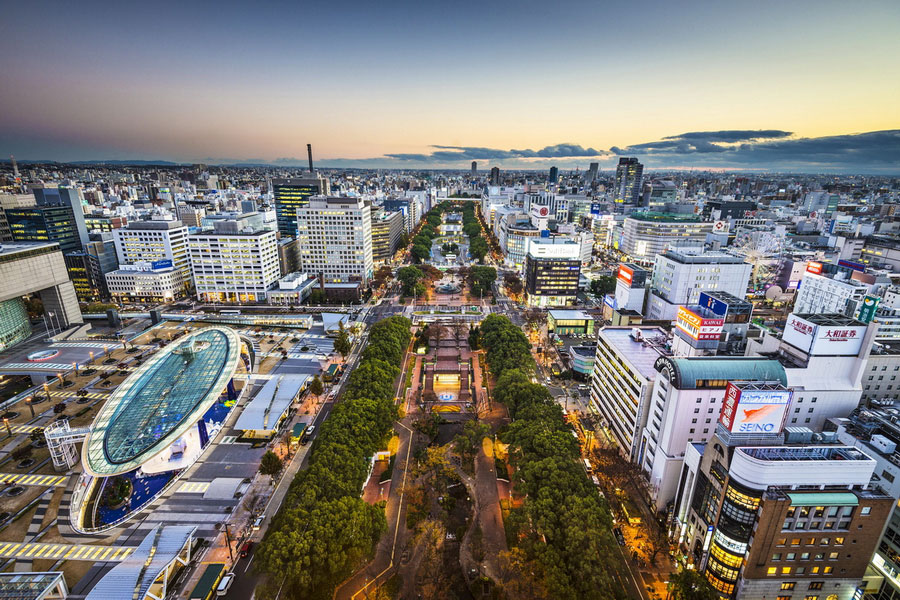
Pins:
x: 225, y: 584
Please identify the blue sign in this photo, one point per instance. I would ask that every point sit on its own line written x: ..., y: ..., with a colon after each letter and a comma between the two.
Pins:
x: 610, y: 301
x: 595, y: 208
x: 161, y: 264
x: 852, y: 265
x: 545, y: 233
x: 717, y: 306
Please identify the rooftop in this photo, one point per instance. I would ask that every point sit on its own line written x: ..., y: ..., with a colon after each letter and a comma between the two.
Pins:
x: 265, y: 409
x: 11, y: 248
x: 29, y: 586
x: 805, y: 453
x: 692, y: 372
x: 161, y: 400
x: 830, y: 320
x: 665, y: 217
x: 706, y: 258
x: 570, y: 315
x: 642, y: 354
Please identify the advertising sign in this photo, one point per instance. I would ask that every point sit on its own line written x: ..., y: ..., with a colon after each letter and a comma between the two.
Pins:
x: 814, y: 267
x: 697, y: 326
x: 852, y: 265
x: 868, y: 308
x: 596, y: 207
x: 721, y: 227
x: 625, y: 275
x: 161, y: 264
x: 754, y: 411
x: 717, y: 306
x: 823, y: 340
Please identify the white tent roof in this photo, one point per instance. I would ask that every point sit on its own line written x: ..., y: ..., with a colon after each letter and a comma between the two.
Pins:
x: 265, y: 408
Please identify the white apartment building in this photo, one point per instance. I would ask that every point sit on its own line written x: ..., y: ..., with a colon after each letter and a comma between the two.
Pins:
x: 234, y: 266
x: 143, y: 283
x: 336, y: 239
x: 679, y: 277
x: 152, y: 242
x: 821, y: 294
x: 622, y: 382
x: 686, y: 404
x: 644, y: 235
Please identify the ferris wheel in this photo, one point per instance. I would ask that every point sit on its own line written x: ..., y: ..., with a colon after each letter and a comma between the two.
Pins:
x: 764, y: 250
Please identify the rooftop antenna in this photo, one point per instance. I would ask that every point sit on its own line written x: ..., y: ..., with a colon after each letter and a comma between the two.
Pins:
x: 309, y: 152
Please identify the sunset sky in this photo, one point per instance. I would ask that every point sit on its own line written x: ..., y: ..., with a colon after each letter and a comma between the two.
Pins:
x: 794, y: 85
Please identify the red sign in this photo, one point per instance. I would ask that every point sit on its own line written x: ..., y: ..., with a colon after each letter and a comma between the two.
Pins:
x: 729, y: 405
x: 625, y: 274
x: 814, y: 267
x: 698, y: 327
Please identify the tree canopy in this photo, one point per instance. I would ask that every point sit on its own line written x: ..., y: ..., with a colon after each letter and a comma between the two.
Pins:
x: 324, y: 529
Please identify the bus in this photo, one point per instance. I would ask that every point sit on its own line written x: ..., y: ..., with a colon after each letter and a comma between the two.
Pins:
x: 229, y: 312
x: 298, y: 431
x: 206, y: 586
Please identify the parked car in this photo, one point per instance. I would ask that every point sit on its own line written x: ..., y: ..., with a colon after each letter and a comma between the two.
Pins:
x: 225, y: 584
x: 246, y: 548
x: 258, y: 522
x: 619, y: 536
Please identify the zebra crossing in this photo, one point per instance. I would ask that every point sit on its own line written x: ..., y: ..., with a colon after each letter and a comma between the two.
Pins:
x: 101, y: 345
x: 31, y: 366
x: 37, y: 550
x: 28, y: 479
x: 194, y: 487
x: 65, y: 394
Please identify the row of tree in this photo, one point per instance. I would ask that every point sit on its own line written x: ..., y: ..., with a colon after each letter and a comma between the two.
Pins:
x: 564, y: 526
x: 324, y: 529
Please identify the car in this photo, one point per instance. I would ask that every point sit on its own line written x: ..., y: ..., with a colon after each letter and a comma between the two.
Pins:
x: 258, y: 522
x: 225, y: 584
x: 246, y: 548
x: 619, y: 536
x: 308, y: 435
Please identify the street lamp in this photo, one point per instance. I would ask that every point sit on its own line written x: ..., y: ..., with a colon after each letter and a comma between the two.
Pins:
x: 30, y: 405
x: 47, y: 390
x: 8, y: 430
x: 75, y: 367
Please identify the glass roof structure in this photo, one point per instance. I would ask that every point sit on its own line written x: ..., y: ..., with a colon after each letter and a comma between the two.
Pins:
x: 160, y: 401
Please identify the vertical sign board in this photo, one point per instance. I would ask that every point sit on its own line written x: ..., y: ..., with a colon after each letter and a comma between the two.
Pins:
x: 625, y: 275
x: 868, y: 308
x: 697, y: 326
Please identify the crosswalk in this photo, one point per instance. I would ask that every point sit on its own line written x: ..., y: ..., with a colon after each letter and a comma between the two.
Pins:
x: 31, y: 366
x: 27, y: 479
x: 21, y: 428
x: 100, y: 345
x: 194, y: 487
x: 65, y: 394
x: 37, y: 550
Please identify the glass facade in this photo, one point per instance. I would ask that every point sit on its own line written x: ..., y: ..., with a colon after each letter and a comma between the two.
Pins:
x: 45, y: 224
x: 288, y: 198
x: 161, y: 401
x: 14, y: 324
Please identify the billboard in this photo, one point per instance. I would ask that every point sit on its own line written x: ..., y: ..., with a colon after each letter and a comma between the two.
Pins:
x: 868, y: 308
x: 747, y: 410
x: 697, y: 326
x: 852, y: 265
x: 625, y: 275
x: 823, y: 340
x: 717, y: 306
x: 814, y: 267
x: 161, y: 264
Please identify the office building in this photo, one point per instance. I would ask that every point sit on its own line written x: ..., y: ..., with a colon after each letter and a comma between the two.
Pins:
x: 292, y: 289
x: 837, y: 292
x: 570, y: 322
x: 658, y: 193
x: 644, y: 235
x: 154, y: 242
x: 474, y: 168
x: 288, y: 255
x: 552, y: 271
x: 762, y: 518
x: 495, y: 175
x: 515, y: 233
x: 33, y: 268
x: 100, y: 254
x: 158, y: 282
x: 5, y: 233
x: 233, y: 263
x: 100, y: 224
x: 680, y: 277
x: 291, y: 194
x: 736, y: 313
x: 554, y: 175
x: 593, y: 170
x: 622, y: 383
x: 881, y: 375
x: 387, y: 227
x: 47, y: 224
x: 336, y: 240
x: 629, y: 175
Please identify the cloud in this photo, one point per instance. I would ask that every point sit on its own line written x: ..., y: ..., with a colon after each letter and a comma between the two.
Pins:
x: 445, y: 154
x: 702, y: 141
x: 732, y: 135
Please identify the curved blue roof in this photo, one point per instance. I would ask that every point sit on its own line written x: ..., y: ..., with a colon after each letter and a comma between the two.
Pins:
x: 690, y: 373
x: 161, y: 400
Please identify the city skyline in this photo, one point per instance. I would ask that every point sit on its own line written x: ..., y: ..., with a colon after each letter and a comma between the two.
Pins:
x: 802, y: 87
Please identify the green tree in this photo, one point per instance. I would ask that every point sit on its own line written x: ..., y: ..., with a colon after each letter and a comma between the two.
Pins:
x: 472, y: 229
x: 270, y: 464
x: 690, y: 585
x: 480, y: 279
x: 603, y: 285
x: 408, y: 278
x: 421, y: 252
x: 478, y: 248
x: 342, y: 341
x: 513, y: 284
x: 468, y: 442
x: 315, y: 386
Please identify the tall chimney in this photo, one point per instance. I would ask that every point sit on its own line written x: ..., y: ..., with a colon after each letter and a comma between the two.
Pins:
x: 309, y: 152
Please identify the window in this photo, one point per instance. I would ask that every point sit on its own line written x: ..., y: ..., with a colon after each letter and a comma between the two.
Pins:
x: 838, y: 541
x: 795, y: 541
x: 865, y: 510
x: 804, y: 556
x: 772, y: 570
x: 785, y: 570
x: 788, y: 585
x: 791, y: 556
x: 815, y: 585
x: 777, y: 556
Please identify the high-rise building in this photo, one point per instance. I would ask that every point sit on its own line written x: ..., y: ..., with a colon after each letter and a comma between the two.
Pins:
x: 825, y: 289
x: 592, y: 172
x: 291, y: 194
x: 336, y: 239
x: 554, y: 174
x: 552, y: 271
x: 233, y: 264
x: 474, y: 168
x: 46, y: 224
x: 495, y: 175
x: 386, y: 230
x: 644, y: 235
x: 629, y: 174
x: 152, y: 242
